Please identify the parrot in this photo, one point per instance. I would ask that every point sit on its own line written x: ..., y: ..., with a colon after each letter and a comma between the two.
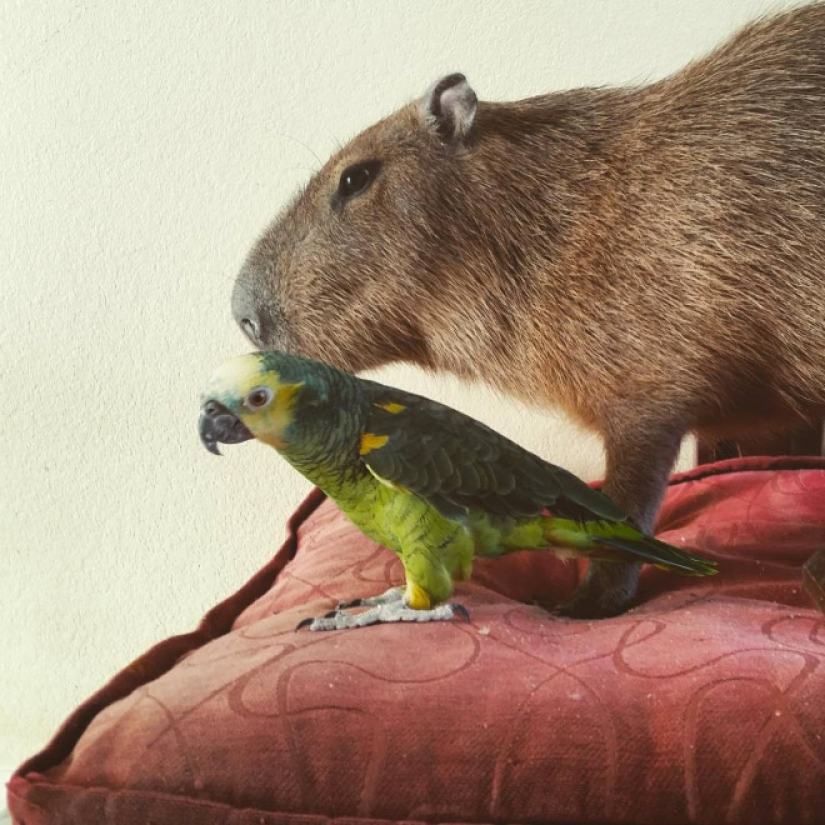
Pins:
x: 424, y: 480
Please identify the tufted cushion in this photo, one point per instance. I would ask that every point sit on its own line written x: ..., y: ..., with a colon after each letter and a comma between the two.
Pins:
x: 703, y: 704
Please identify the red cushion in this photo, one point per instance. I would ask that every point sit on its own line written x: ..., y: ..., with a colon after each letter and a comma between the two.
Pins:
x: 705, y: 703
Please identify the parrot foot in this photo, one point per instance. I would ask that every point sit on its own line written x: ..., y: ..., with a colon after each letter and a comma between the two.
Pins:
x: 394, y: 594
x: 388, y: 612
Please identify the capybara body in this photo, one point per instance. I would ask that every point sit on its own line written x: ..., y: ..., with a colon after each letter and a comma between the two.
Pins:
x: 650, y: 259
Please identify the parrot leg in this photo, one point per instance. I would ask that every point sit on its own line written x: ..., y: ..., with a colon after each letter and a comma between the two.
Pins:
x: 395, y: 611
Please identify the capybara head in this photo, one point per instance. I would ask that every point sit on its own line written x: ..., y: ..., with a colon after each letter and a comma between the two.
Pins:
x: 346, y: 273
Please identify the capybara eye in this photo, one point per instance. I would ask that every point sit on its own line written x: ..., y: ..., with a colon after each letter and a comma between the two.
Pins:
x: 258, y: 397
x: 356, y: 179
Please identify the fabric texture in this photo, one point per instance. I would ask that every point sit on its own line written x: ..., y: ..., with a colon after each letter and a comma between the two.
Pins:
x: 705, y: 703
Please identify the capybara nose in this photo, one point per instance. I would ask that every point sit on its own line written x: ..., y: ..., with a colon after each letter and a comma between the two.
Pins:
x: 246, y: 313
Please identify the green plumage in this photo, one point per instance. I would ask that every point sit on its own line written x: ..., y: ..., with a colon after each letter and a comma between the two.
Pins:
x: 424, y: 480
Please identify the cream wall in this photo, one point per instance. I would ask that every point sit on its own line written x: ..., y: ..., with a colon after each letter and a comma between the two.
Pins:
x: 144, y: 144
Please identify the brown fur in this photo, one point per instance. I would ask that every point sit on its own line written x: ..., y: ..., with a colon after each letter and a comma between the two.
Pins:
x: 650, y: 259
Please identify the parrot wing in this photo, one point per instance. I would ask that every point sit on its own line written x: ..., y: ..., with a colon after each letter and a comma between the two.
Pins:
x: 456, y: 463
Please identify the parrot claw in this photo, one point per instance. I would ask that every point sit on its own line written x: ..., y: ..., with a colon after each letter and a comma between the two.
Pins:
x: 309, y: 621
x: 304, y: 623
x: 348, y: 604
x: 384, y: 613
x: 460, y: 610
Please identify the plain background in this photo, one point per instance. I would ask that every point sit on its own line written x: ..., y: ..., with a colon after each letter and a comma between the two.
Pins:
x: 143, y: 146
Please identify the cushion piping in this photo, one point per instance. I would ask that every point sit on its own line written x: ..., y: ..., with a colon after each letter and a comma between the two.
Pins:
x: 19, y: 786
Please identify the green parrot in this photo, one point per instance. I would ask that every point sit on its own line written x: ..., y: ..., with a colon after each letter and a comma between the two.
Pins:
x: 435, y: 486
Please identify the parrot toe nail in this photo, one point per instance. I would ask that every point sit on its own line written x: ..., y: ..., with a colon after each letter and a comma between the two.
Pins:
x: 304, y: 623
x: 460, y: 610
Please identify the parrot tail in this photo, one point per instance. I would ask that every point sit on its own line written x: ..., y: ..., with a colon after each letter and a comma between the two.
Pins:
x: 648, y: 550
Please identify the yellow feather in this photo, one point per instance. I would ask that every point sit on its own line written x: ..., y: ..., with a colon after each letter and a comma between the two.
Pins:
x: 286, y: 398
x: 416, y: 597
x: 391, y: 407
x: 370, y: 441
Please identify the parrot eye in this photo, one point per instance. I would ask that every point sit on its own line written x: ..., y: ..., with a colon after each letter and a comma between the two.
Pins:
x: 258, y: 397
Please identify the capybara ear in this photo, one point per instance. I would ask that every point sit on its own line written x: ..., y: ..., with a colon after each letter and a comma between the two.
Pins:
x: 449, y: 108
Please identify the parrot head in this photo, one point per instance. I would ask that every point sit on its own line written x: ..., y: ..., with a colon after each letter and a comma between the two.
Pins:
x: 270, y: 396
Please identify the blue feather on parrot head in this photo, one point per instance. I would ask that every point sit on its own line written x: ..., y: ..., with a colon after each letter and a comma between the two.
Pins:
x: 272, y: 396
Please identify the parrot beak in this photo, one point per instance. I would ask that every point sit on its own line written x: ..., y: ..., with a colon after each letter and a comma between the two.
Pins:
x: 217, y: 425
